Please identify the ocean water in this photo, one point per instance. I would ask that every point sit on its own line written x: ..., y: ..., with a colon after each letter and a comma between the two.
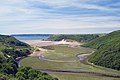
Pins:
x: 32, y: 36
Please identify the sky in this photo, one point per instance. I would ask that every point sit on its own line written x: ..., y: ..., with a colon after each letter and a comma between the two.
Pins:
x: 59, y: 16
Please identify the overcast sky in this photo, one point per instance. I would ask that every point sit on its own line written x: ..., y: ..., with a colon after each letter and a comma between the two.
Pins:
x: 59, y: 16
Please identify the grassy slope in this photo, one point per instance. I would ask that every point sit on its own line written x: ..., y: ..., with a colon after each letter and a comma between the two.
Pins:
x: 9, y: 42
x: 108, y: 50
x: 11, y: 45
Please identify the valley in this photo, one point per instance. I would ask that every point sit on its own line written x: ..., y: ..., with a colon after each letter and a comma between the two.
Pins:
x: 64, y: 61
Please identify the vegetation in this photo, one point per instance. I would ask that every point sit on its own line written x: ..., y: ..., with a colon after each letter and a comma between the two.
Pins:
x: 81, y: 77
x: 65, y: 53
x: 4, y: 77
x: 61, y: 54
x: 38, y: 64
x: 10, y: 50
x: 10, y: 41
x: 77, y: 37
x: 48, y: 47
x: 108, y: 50
x: 27, y: 73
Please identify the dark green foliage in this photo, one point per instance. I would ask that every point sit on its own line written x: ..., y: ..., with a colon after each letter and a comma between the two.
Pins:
x: 16, y: 52
x: 80, y: 38
x: 11, y: 41
x: 2, y: 58
x: 27, y: 73
x: 3, y: 77
x: 10, y: 50
x: 108, y: 50
x: 8, y: 65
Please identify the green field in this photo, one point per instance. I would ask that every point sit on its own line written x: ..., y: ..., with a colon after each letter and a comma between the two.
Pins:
x: 80, y: 77
x: 63, y: 52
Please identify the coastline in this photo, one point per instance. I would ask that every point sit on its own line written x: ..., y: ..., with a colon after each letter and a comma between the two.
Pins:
x: 48, y: 42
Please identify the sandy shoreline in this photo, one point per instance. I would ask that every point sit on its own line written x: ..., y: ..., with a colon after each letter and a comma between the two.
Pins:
x: 48, y: 43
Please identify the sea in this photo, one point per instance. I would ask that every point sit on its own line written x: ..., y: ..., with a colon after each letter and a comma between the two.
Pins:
x: 32, y: 36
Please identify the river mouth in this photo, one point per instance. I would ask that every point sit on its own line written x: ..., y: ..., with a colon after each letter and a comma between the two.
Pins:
x: 53, y: 65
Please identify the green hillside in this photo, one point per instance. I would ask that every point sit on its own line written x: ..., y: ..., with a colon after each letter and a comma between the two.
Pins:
x: 108, y: 50
x: 11, y: 47
x: 77, y: 37
x: 10, y: 50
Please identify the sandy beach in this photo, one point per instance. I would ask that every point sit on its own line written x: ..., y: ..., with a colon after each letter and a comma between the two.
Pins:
x: 48, y: 43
